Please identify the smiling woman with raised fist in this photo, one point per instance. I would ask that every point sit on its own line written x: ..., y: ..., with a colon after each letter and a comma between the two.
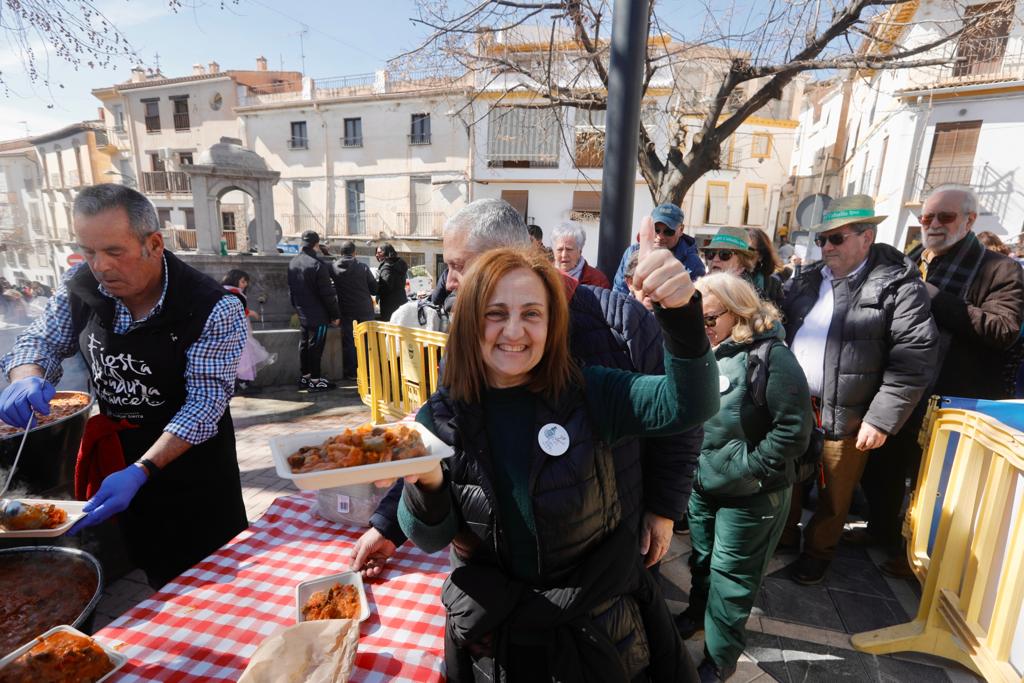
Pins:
x: 548, y: 580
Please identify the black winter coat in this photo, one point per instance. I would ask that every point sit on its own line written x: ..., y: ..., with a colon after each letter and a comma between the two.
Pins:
x: 391, y: 286
x: 312, y: 290
x: 354, y: 283
x: 575, y: 507
x: 882, y: 345
x: 615, y: 331
x: 612, y: 330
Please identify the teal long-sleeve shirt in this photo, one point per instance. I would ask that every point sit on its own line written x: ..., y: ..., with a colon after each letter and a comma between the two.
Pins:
x: 620, y: 404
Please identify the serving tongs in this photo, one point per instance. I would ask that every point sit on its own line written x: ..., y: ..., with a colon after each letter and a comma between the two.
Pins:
x: 13, y: 508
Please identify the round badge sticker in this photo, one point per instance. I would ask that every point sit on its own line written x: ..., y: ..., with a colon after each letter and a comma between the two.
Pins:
x: 723, y: 384
x: 553, y: 439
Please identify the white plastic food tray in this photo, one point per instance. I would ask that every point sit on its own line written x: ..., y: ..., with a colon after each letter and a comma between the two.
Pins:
x: 307, y: 588
x: 72, y: 507
x: 283, y: 446
x: 116, y: 658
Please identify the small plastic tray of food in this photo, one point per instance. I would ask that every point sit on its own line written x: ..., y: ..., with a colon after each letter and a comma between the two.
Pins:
x: 306, y: 589
x: 283, y: 446
x: 73, y: 508
x: 116, y: 658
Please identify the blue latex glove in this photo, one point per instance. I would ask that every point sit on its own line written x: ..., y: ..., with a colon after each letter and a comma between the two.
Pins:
x: 18, y: 400
x: 115, y: 493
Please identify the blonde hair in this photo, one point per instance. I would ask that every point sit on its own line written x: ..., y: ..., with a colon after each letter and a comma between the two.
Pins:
x: 753, y: 315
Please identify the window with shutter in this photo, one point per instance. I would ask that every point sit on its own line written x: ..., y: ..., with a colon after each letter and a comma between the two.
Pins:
x: 518, y: 137
x: 586, y: 206
x: 952, y: 156
x: 754, y: 205
x: 716, y: 205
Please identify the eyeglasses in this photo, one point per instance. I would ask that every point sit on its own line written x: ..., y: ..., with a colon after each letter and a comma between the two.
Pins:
x: 943, y: 217
x: 834, y: 240
x: 722, y: 254
x: 666, y: 231
x: 712, y: 320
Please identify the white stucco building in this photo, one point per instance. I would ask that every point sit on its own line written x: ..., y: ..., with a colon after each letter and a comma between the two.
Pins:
x: 905, y: 132
x: 157, y: 125
x: 374, y: 157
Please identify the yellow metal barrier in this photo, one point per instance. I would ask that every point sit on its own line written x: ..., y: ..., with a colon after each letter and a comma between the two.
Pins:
x: 397, y: 367
x: 966, y: 545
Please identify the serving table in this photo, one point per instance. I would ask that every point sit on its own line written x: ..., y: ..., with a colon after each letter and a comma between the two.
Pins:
x: 207, y: 623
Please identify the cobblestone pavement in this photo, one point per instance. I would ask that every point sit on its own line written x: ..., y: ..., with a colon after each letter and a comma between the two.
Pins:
x: 796, y: 633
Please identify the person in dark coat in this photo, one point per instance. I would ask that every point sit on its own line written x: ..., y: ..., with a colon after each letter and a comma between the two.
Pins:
x: 860, y: 326
x: 606, y: 329
x: 391, y: 278
x: 977, y: 300
x: 528, y: 500
x: 162, y: 342
x: 354, y: 284
x: 312, y: 294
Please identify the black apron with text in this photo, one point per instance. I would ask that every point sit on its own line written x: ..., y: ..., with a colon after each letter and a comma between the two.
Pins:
x: 194, y: 505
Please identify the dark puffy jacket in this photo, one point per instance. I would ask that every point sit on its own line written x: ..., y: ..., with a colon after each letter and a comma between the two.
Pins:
x: 312, y: 290
x: 750, y: 449
x: 583, y: 477
x: 881, y: 356
x: 391, y: 286
x: 354, y: 283
x: 616, y: 331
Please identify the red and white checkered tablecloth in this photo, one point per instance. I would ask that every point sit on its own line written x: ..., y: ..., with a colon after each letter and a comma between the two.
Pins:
x: 207, y: 623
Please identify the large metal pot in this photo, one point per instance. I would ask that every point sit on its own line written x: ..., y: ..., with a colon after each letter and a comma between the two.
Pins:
x: 48, y: 557
x: 47, y: 467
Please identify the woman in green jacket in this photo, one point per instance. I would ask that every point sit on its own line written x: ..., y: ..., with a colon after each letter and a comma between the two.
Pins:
x: 746, y: 470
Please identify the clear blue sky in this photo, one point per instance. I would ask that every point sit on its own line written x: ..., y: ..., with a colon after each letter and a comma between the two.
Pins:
x: 343, y: 37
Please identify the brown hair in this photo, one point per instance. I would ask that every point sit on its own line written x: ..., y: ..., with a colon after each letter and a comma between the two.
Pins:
x: 465, y: 374
x: 993, y: 243
x: 768, y: 261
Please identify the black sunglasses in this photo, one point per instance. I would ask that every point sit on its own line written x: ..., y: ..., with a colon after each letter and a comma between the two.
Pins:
x: 666, y: 231
x: 834, y: 240
x: 723, y: 254
x: 711, y: 320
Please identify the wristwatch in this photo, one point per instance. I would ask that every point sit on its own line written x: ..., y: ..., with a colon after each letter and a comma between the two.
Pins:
x: 149, y: 466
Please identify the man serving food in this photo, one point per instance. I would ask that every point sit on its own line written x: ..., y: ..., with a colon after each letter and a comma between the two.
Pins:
x: 162, y: 342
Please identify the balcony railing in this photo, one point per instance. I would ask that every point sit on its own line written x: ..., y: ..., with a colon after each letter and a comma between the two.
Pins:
x: 181, y: 121
x: 295, y: 224
x: 298, y: 143
x: 993, y: 188
x: 980, y: 60
x: 419, y: 138
x: 166, y: 182
x: 361, y: 223
x: 419, y: 224
x: 152, y: 124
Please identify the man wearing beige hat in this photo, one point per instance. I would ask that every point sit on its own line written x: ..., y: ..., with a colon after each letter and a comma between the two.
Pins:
x: 859, y: 324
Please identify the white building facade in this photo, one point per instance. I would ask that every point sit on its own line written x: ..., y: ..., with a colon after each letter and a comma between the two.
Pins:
x: 909, y: 131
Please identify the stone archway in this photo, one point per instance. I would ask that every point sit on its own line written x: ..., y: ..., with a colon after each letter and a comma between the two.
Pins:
x: 224, y: 167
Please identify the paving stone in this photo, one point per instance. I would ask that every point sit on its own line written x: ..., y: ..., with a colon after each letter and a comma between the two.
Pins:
x: 891, y: 670
x: 789, y: 601
x: 813, y: 662
x: 861, y: 612
x: 858, y: 576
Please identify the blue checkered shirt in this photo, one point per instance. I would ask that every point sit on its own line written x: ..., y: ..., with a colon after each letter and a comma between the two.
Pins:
x: 212, y: 360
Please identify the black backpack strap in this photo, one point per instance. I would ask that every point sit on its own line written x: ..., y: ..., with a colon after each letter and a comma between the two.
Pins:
x: 757, y: 371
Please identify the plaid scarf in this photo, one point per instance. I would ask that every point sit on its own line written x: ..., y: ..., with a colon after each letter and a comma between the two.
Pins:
x: 954, y: 271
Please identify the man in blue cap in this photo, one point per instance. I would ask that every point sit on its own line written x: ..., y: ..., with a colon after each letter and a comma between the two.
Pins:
x: 668, y: 228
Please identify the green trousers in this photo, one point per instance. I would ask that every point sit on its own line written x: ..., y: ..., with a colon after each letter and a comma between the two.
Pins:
x: 732, y: 544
